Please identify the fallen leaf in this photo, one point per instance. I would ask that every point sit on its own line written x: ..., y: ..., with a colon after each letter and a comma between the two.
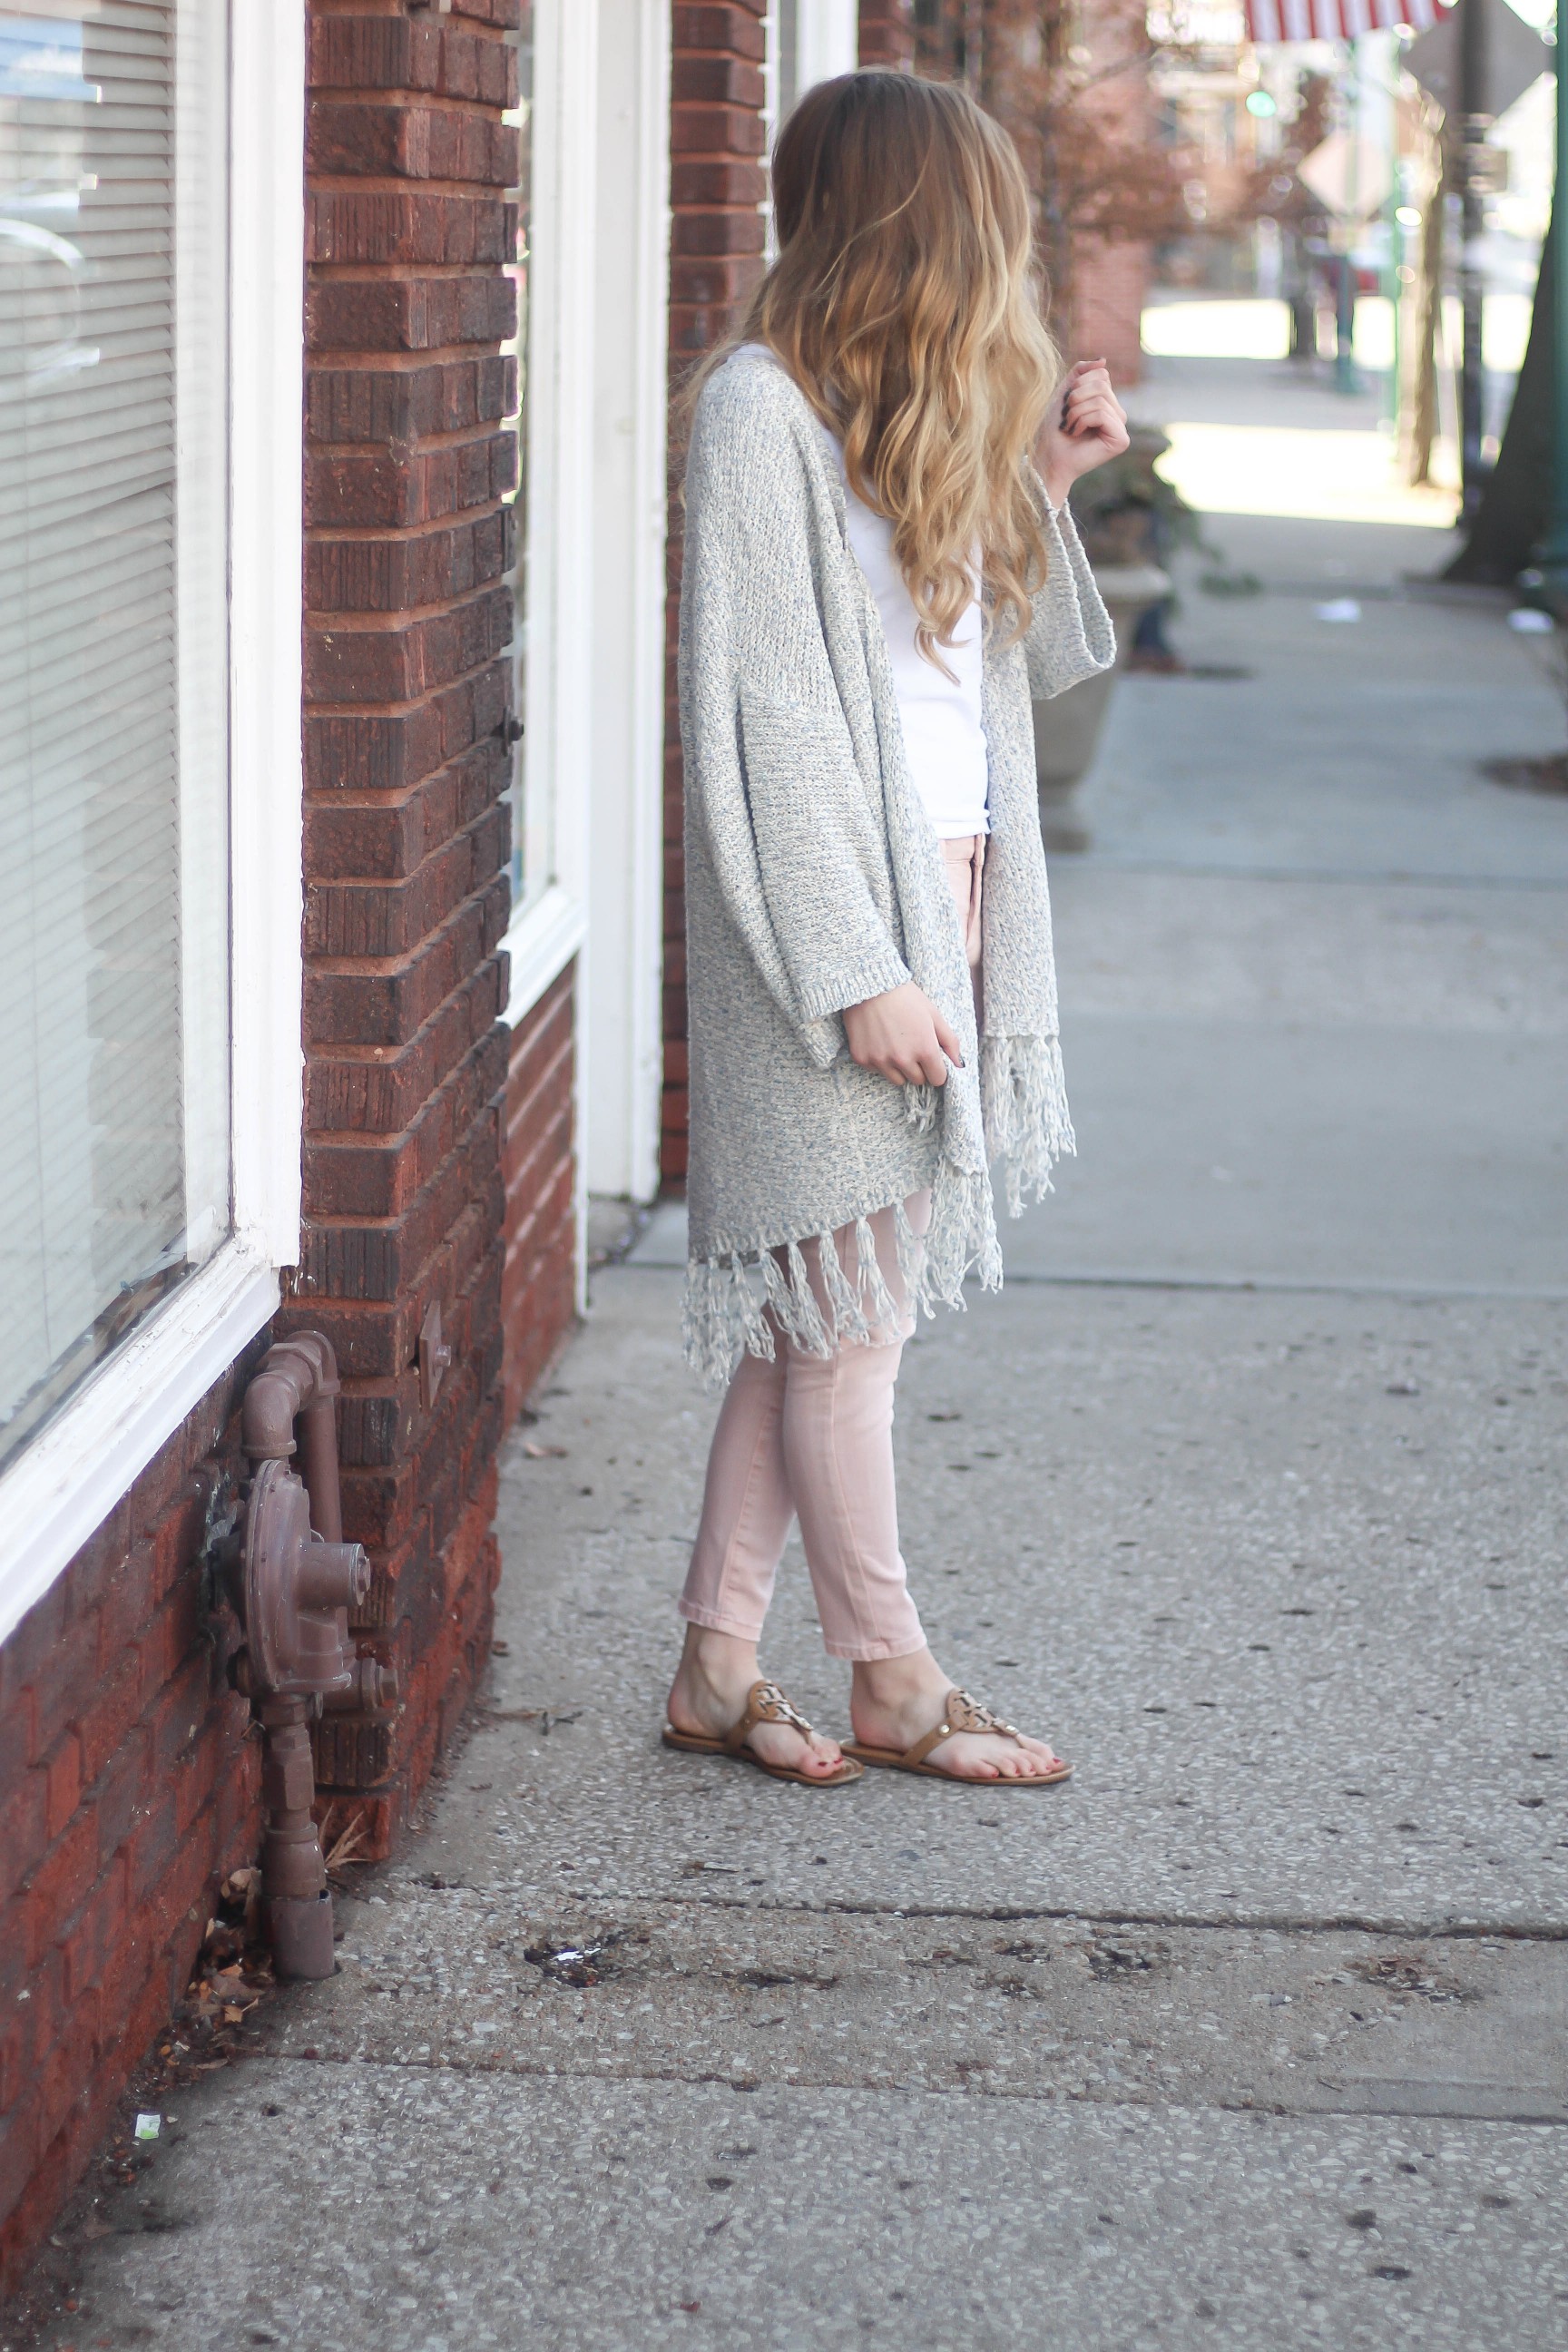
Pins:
x: 232, y: 2016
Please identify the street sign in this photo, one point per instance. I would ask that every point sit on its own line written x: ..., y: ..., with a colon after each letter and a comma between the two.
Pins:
x: 1514, y: 54
x: 1350, y: 176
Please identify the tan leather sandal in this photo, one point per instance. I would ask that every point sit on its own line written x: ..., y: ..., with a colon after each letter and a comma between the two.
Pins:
x: 766, y: 1702
x: 959, y: 1713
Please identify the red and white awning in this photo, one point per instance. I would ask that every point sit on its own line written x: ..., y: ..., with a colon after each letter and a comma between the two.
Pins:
x: 1335, y: 20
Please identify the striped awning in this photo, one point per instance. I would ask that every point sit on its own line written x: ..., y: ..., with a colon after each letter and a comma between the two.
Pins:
x: 1335, y: 20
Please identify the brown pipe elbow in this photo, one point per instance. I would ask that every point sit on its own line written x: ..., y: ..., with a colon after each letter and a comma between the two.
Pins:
x: 267, y: 1415
x: 297, y: 1380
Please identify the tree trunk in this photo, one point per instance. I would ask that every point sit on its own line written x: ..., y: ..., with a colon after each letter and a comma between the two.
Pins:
x: 1418, y: 360
x: 1511, y: 520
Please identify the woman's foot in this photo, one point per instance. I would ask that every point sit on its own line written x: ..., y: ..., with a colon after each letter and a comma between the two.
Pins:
x: 894, y: 1702
x: 709, y: 1695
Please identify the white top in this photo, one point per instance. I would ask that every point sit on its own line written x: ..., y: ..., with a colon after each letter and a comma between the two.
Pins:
x: 944, y: 742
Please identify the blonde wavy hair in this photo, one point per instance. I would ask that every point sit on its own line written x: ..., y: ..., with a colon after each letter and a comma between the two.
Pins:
x: 906, y: 303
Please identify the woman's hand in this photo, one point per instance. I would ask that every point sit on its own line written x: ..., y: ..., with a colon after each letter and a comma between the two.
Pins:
x: 1087, y: 426
x: 902, y: 1034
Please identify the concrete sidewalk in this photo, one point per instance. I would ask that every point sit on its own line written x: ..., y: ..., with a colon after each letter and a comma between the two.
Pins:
x: 1249, y: 1490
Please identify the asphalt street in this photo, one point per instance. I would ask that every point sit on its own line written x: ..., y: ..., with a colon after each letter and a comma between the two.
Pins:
x: 1247, y: 1490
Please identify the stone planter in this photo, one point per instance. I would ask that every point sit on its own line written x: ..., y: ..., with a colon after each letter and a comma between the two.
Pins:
x: 1067, y: 727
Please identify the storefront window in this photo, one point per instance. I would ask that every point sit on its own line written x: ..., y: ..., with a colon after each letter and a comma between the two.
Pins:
x: 114, y: 1141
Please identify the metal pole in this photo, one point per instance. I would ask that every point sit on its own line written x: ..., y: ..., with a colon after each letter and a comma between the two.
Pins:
x: 1473, y: 121
x: 1345, y: 376
x: 1391, y: 284
x: 1554, y: 556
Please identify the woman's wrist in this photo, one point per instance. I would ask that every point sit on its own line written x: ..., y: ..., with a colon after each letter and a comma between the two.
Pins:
x: 1053, y: 481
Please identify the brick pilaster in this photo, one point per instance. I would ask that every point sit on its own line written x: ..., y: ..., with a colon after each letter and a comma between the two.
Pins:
x: 538, y: 1162
x: 887, y: 34
x: 408, y: 622
x: 717, y: 186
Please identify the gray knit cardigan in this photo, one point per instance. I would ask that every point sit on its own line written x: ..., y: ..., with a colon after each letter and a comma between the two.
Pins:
x: 814, y: 879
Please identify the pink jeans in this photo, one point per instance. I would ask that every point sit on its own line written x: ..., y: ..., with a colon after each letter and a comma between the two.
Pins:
x: 811, y: 1437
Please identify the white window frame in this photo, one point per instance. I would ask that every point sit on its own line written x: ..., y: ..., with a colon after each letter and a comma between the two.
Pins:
x: 555, y: 678
x: 804, y: 42
x: 624, y: 967
x: 66, y: 1482
x: 591, y: 684
x: 827, y: 36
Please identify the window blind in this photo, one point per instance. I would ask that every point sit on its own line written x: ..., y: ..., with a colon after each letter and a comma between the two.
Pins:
x: 115, y: 1179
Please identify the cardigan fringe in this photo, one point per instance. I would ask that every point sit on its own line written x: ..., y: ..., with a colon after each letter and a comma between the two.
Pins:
x: 1028, y: 1128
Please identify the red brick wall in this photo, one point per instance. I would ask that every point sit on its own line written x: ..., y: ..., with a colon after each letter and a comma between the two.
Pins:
x: 886, y: 34
x: 127, y: 1788
x: 1109, y: 284
x: 406, y: 680
x: 1111, y: 275
x: 717, y: 184
x: 539, y: 1165
x: 126, y: 1784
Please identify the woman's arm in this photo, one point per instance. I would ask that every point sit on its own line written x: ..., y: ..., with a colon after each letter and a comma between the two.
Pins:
x: 770, y: 771
x: 1070, y: 637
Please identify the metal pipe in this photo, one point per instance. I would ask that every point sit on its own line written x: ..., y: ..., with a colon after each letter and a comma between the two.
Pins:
x: 297, y: 1582
x: 319, y: 1435
x: 298, y: 1382
x: 267, y: 1415
x: 293, y: 1869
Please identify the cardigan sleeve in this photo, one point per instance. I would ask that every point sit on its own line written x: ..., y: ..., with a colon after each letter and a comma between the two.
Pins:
x: 795, y: 841
x: 1070, y: 637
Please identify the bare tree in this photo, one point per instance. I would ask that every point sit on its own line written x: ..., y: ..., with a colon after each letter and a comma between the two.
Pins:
x: 1071, y: 82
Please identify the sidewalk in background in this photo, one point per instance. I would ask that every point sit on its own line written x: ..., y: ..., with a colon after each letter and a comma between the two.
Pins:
x: 1249, y: 1489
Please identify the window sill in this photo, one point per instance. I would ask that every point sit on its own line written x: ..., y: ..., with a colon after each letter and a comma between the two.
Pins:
x: 68, y: 1479
x: 541, y: 942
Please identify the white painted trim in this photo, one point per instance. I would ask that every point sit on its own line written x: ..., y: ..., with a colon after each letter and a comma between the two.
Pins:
x: 555, y: 671
x: 267, y: 146
x: 622, y: 1072
x: 776, y: 91
x: 541, y: 942
x: 777, y: 19
x: 646, y: 1075
x: 201, y: 610
x: 64, y: 1485
x: 827, y: 41
x: 68, y: 1479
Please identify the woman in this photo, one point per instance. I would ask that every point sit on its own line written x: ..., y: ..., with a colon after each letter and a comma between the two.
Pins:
x: 876, y: 581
